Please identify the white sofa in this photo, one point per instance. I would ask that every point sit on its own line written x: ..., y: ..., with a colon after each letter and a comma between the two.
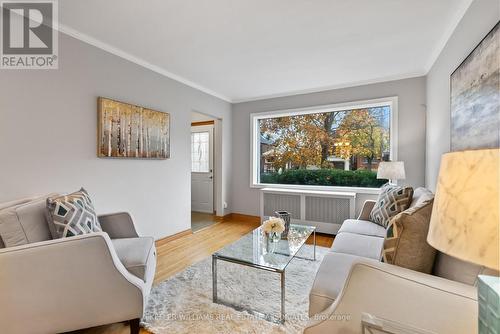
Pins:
x: 60, y: 285
x: 351, y: 281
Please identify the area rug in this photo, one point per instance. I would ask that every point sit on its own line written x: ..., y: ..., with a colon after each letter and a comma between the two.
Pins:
x: 183, y: 303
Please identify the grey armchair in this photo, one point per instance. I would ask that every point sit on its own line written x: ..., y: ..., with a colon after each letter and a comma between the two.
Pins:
x: 59, y: 285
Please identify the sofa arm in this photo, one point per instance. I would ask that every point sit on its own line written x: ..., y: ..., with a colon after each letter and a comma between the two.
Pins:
x: 118, y: 225
x: 66, y: 284
x: 414, y: 299
x: 365, y: 211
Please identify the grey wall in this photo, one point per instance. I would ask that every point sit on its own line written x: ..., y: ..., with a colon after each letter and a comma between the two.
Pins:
x: 479, y: 19
x: 411, y: 146
x: 48, y: 124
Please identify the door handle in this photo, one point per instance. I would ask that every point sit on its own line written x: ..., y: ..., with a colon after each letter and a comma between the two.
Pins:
x: 210, y: 177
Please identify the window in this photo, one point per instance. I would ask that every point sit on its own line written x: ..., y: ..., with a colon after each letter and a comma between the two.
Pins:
x: 329, y: 146
x: 200, y: 151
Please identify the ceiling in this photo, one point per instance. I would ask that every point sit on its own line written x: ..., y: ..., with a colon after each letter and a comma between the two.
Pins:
x: 243, y: 50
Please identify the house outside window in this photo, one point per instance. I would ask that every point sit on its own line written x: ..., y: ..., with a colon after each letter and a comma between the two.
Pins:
x: 336, y: 146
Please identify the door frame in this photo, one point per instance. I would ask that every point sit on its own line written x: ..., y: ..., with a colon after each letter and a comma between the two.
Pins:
x: 216, y: 159
x: 220, y: 179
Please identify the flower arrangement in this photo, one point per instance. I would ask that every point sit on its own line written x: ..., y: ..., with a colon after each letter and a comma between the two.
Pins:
x: 273, y: 225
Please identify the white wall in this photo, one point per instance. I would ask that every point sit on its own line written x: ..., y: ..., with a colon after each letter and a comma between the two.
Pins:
x: 48, y: 124
x: 411, y: 146
x: 479, y: 19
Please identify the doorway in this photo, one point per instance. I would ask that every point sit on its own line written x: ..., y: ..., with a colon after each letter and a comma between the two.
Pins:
x: 203, y: 174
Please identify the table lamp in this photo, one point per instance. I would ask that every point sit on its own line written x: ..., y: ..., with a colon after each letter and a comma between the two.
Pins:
x: 391, y: 170
x: 465, y: 221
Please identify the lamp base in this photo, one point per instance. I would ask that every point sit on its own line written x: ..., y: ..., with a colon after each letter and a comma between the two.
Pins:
x: 488, y: 291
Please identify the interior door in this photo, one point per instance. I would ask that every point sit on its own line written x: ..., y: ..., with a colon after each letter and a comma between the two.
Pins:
x: 202, y: 176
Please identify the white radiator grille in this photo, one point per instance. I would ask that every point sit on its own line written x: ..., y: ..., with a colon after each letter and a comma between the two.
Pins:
x: 327, y: 209
x: 324, y: 209
x: 282, y: 202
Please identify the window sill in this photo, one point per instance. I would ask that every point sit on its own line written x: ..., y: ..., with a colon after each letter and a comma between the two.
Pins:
x: 358, y: 190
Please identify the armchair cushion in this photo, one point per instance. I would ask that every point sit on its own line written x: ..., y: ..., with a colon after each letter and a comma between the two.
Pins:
x: 71, y: 215
x: 5, y: 205
x: 118, y: 225
x: 137, y: 255
x: 24, y: 223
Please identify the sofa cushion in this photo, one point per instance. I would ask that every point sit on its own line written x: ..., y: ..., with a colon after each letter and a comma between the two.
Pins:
x: 421, y: 195
x: 391, y: 201
x: 137, y: 255
x: 72, y: 214
x: 24, y: 223
x: 364, y: 227
x: 358, y: 244
x: 406, y: 242
x: 329, y: 281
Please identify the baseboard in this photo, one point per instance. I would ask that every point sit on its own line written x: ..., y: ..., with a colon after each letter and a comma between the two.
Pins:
x: 172, y: 237
x: 223, y: 218
x: 244, y: 218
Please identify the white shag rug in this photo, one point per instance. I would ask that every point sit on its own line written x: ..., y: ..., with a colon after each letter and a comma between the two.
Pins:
x: 183, y: 303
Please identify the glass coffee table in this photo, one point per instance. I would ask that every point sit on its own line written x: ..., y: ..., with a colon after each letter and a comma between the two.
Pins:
x: 256, y: 251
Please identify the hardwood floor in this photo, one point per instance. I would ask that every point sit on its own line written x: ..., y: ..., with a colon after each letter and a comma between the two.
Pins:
x: 200, y: 221
x: 176, y: 255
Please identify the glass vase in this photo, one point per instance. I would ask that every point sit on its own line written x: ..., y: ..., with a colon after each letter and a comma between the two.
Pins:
x: 274, y: 236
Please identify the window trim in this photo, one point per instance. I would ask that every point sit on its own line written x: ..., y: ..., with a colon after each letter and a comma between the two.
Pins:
x: 391, y: 101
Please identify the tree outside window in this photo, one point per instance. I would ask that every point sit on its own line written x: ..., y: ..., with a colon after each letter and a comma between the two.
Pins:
x: 337, y: 148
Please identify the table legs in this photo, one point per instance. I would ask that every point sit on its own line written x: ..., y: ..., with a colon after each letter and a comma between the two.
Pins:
x: 282, y: 285
x: 214, y: 279
x: 314, y: 238
x: 282, y: 317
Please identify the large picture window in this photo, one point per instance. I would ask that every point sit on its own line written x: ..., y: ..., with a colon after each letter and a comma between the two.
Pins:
x: 328, y: 146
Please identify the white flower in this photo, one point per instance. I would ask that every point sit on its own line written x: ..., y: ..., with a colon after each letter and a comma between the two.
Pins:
x: 274, y: 225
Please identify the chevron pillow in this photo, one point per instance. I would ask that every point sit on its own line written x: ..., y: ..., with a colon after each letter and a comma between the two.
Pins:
x: 71, y: 215
x: 391, y: 201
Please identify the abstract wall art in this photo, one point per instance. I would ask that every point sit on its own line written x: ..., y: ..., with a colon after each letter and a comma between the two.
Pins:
x: 130, y: 131
x: 475, y: 97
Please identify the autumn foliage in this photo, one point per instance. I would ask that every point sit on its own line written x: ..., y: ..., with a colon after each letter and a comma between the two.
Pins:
x: 309, y: 140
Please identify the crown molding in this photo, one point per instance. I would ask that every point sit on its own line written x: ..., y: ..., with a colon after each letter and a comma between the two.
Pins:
x: 139, y: 61
x: 446, y: 36
x: 408, y: 75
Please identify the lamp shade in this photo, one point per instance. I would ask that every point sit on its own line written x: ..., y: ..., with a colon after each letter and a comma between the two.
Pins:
x: 465, y: 219
x: 392, y: 170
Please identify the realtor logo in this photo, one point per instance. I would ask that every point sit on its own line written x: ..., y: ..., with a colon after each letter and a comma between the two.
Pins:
x: 29, y: 35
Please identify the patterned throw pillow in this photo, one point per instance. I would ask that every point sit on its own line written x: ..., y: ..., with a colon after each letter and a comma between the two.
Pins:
x: 71, y: 215
x: 406, y: 242
x: 391, y: 201
x: 391, y: 242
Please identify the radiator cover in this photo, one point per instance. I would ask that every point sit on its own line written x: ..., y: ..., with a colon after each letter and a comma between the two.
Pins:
x: 324, y: 209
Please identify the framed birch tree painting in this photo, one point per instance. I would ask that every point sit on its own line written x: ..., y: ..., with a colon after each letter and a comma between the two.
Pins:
x: 129, y: 131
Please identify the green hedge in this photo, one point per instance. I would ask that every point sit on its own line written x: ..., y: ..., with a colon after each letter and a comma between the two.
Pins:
x: 325, y: 177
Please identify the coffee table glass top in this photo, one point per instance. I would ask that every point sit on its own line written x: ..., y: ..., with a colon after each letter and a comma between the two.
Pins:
x: 255, y: 249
